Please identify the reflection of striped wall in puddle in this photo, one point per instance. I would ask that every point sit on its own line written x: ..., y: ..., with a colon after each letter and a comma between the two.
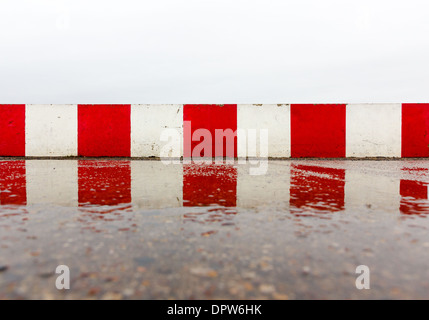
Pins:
x: 209, y: 185
x: 316, y: 189
x: 104, y: 182
x: 156, y: 185
x: 13, y: 183
x: 413, y: 196
x: 52, y: 181
x: 295, y: 186
x: 372, y: 190
x: 264, y: 190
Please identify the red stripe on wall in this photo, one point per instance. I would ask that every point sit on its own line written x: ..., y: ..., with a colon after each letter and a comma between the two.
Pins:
x: 12, y: 130
x: 204, y: 185
x: 210, y: 117
x: 318, y: 130
x: 104, y: 130
x: 104, y: 182
x: 13, y: 182
x: 415, y: 130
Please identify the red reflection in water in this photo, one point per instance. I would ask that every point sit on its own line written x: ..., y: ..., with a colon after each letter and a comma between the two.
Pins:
x: 13, y: 183
x: 104, y: 182
x: 316, y: 189
x: 209, y: 184
x: 412, y: 193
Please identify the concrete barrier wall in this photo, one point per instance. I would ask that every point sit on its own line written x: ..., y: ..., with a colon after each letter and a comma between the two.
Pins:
x: 294, y: 130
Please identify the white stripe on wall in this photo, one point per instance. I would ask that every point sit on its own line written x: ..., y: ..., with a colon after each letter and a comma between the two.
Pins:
x: 275, y: 118
x: 50, y: 130
x: 156, y: 185
x: 373, y: 130
x: 147, y: 124
x: 52, y: 181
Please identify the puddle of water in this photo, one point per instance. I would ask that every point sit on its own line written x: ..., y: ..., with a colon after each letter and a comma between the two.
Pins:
x: 302, y: 186
x: 213, y: 231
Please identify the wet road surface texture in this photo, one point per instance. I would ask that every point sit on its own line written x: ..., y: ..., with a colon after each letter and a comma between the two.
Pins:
x: 145, y: 230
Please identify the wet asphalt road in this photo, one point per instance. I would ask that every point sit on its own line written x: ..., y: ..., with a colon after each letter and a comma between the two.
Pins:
x: 143, y: 230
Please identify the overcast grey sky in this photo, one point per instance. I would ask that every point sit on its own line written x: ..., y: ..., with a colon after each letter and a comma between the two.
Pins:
x: 220, y: 51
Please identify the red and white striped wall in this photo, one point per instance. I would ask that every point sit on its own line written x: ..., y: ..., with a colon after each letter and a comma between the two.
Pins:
x: 299, y: 186
x: 295, y: 130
